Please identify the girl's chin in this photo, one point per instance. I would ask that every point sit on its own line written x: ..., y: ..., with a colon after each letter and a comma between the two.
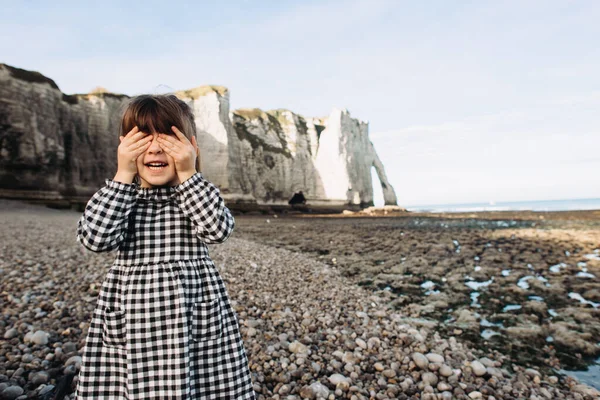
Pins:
x: 151, y: 181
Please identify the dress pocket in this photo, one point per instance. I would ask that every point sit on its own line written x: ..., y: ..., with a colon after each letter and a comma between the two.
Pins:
x: 114, y: 328
x: 206, y: 321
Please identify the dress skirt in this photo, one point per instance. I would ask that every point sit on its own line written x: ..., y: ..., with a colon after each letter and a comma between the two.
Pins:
x: 164, y: 331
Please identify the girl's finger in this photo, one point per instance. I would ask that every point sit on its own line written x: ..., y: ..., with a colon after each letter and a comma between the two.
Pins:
x: 180, y: 135
x: 132, y: 132
x: 169, y: 151
x: 169, y: 141
x: 194, y: 143
x: 141, y: 142
x: 137, y: 136
x: 137, y: 152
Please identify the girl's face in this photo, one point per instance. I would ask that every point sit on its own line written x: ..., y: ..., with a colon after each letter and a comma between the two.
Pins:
x: 155, y: 167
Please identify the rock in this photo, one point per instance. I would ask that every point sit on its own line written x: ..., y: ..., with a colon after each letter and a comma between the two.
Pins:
x: 38, y: 337
x: 494, y: 372
x: 478, y: 368
x: 429, y: 378
x: 11, y: 393
x: 373, y: 343
x: 38, y: 378
x: 532, y: 372
x: 11, y: 333
x: 337, y: 378
x: 74, y: 360
x: 319, y: 390
x: 445, y: 370
x: 447, y: 396
x: 525, y: 332
x: 69, y: 347
x: 389, y: 373
x: 420, y: 360
x: 434, y: 358
x: 297, y: 347
x: 466, y: 316
x: 284, y: 389
x: 586, y: 390
x: 475, y: 395
x: 27, y: 358
x: 46, y: 389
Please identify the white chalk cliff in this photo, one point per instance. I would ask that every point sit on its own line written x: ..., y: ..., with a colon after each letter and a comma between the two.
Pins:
x: 55, y: 145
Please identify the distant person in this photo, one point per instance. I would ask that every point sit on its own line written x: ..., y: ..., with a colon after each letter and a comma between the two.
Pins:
x: 163, y: 326
x: 297, y: 198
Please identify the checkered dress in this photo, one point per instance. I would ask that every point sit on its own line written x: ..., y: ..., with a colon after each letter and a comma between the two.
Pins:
x: 163, y: 327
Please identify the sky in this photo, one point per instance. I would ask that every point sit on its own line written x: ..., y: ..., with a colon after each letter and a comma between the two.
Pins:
x: 467, y: 101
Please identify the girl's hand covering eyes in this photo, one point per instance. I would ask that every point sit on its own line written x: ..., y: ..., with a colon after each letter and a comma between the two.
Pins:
x: 182, y: 151
x: 133, y: 144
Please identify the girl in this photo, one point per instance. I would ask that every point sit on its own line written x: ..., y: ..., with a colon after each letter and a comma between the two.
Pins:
x: 163, y: 326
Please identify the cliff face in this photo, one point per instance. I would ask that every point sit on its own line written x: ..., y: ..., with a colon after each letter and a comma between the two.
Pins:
x: 54, y: 145
x: 58, y: 146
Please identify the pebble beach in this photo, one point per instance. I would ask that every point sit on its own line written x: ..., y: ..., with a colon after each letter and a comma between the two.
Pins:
x: 338, y: 308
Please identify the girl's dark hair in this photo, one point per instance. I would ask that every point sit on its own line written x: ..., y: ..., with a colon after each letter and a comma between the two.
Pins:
x: 157, y: 113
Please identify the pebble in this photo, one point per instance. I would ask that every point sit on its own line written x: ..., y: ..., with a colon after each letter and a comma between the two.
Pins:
x: 435, y: 358
x: 478, y: 368
x: 11, y: 392
x: 38, y: 378
x: 297, y: 347
x: 337, y: 378
x: 11, y: 333
x: 429, y: 378
x: 445, y: 370
x: 420, y: 360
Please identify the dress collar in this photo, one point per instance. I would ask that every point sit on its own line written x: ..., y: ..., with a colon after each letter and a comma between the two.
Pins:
x: 157, y: 194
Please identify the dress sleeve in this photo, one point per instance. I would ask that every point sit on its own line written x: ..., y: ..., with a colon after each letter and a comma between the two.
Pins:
x: 104, y: 222
x: 201, y: 202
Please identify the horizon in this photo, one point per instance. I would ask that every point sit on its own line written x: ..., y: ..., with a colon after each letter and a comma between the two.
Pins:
x: 491, y: 202
x: 465, y: 102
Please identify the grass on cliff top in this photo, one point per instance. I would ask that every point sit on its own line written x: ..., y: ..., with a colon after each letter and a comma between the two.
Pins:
x: 250, y: 113
x: 200, y: 91
x: 257, y: 113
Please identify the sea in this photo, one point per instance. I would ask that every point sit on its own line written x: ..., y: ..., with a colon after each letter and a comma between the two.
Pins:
x: 535, y: 205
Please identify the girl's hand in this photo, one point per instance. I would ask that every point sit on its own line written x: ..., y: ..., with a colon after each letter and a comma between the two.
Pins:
x: 134, y: 144
x: 182, y: 151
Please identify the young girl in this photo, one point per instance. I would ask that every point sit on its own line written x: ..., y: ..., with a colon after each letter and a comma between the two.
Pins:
x: 163, y: 327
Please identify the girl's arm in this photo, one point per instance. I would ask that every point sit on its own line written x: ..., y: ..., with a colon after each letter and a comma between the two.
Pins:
x: 201, y: 202
x: 103, y: 224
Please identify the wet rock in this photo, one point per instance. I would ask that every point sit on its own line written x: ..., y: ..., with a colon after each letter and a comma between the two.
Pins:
x: 525, y: 332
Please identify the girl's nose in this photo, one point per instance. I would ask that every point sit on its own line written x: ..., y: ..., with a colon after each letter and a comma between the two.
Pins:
x: 154, y: 146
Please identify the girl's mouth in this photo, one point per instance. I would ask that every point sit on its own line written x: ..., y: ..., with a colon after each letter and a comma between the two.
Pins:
x: 156, y: 166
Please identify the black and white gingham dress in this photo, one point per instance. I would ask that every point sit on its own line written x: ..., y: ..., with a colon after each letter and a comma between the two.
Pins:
x: 163, y: 327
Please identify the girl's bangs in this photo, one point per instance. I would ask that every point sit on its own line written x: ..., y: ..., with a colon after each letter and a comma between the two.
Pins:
x: 151, y: 118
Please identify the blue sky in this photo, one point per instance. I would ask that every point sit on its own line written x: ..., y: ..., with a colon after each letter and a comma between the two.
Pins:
x: 467, y: 101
